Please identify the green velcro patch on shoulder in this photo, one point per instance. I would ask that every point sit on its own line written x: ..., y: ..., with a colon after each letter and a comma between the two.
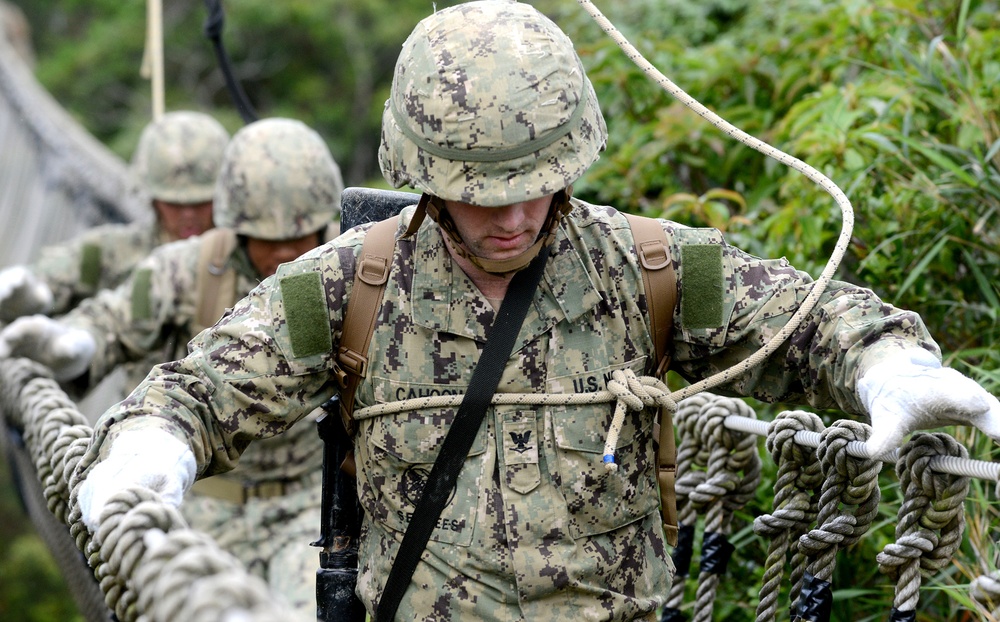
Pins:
x: 306, y: 314
x: 90, y: 266
x: 701, y: 285
x: 142, y: 286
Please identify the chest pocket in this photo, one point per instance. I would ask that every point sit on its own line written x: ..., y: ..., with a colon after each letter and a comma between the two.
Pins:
x: 599, y: 500
x: 397, y: 453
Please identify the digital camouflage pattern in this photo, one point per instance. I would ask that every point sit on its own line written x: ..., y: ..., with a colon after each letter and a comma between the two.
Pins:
x: 272, y: 531
x: 277, y: 162
x: 536, y: 528
x: 178, y: 157
x: 177, y: 160
x: 269, y: 535
x: 155, y: 311
x: 497, y: 132
x: 99, y: 258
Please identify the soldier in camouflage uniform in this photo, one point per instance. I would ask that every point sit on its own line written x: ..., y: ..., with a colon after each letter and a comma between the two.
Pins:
x: 277, y: 196
x: 175, y: 164
x: 492, y: 117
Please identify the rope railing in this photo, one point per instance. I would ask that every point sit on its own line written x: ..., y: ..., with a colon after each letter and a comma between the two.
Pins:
x: 148, y: 564
x: 144, y: 554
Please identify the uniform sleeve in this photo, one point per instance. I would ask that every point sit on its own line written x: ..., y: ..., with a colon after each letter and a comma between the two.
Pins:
x: 61, y: 267
x: 153, y: 305
x: 731, y: 303
x: 250, y: 376
x: 100, y: 258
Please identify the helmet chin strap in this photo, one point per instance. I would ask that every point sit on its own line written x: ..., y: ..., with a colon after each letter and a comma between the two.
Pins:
x: 434, y: 206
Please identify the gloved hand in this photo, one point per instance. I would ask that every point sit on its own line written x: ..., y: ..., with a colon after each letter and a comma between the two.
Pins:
x: 66, y: 351
x: 22, y: 293
x: 151, y: 458
x: 911, y: 391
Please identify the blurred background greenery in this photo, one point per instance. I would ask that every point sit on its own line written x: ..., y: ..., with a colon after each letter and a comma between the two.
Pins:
x: 898, y: 102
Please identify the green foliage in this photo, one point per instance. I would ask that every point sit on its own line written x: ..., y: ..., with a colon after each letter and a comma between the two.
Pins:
x: 898, y: 102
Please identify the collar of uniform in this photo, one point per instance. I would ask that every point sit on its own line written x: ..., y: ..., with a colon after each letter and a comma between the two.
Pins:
x: 445, y: 299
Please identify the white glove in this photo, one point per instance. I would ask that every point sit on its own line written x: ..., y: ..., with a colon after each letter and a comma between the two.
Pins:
x: 22, y: 293
x: 150, y: 458
x: 911, y: 391
x: 66, y: 351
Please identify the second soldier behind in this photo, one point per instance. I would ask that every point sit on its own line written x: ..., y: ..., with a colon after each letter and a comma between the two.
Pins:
x: 277, y: 196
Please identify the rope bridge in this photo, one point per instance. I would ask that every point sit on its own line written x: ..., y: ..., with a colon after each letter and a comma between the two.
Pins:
x: 146, y: 563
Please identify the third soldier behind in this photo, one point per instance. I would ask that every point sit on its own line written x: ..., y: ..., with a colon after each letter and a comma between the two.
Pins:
x: 175, y: 166
x: 277, y: 196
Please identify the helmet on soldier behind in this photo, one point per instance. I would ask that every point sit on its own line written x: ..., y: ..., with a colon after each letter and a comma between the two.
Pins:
x: 490, y: 105
x: 178, y: 157
x: 278, y: 182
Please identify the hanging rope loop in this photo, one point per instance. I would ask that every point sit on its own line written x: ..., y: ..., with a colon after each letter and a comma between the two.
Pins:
x: 931, y: 517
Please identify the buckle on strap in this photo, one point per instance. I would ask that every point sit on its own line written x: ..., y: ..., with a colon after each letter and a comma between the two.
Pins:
x: 373, y: 270
x: 353, y: 363
x: 653, y: 255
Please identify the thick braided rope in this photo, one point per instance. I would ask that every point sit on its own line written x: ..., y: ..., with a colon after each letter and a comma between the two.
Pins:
x: 848, y: 501
x: 946, y: 464
x: 692, y: 460
x: 200, y: 588
x: 931, y: 517
x: 733, y: 476
x: 178, y: 583
x: 120, y: 546
x: 796, y: 489
x: 733, y: 132
x: 625, y: 389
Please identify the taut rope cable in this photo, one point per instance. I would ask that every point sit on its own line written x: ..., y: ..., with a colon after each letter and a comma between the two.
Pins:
x: 655, y: 393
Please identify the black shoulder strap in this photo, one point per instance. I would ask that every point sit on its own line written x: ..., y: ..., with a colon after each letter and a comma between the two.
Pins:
x: 458, y: 441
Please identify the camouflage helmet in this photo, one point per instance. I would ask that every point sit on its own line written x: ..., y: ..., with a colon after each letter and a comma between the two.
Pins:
x: 178, y: 157
x: 490, y: 105
x: 278, y: 182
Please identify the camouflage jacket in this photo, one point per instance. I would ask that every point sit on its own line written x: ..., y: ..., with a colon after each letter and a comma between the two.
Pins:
x: 100, y: 258
x: 153, y: 310
x: 158, y: 329
x: 536, y: 527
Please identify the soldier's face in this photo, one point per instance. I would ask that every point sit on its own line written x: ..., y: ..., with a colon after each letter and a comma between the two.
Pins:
x: 267, y: 255
x: 182, y: 220
x: 499, y: 232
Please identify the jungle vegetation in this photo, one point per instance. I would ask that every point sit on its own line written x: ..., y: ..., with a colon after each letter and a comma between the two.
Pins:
x: 898, y: 102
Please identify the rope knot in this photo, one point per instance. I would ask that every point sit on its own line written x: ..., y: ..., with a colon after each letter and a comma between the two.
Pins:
x: 632, y: 392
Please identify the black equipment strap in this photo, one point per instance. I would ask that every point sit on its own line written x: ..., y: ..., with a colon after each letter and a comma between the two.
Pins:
x: 458, y: 441
x: 213, y: 31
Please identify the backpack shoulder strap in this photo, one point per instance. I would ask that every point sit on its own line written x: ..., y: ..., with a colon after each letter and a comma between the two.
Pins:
x: 660, y: 283
x: 370, y: 277
x: 216, y: 279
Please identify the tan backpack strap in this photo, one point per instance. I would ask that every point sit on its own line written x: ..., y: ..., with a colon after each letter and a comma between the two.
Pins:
x: 370, y: 277
x: 216, y: 279
x: 660, y: 283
